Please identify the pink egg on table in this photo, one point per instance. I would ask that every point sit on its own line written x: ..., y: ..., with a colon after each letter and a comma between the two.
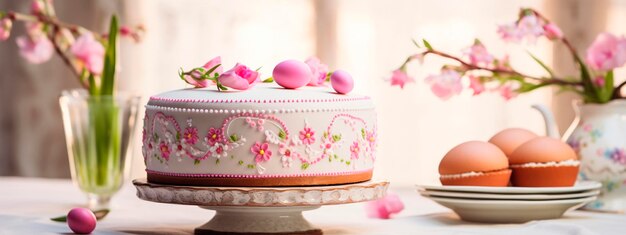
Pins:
x: 292, y: 74
x: 81, y: 220
x: 341, y: 81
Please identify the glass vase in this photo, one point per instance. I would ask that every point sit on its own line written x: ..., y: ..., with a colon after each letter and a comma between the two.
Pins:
x: 99, y: 132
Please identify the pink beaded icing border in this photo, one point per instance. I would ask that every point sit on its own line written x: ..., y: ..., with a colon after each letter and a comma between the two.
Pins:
x: 173, y: 100
x: 255, y: 176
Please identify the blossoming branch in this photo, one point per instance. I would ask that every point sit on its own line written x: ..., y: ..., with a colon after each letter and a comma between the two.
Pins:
x: 485, y: 72
x: 89, y: 55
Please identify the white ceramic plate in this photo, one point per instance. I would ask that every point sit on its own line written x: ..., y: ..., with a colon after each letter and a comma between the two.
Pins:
x: 579, y: 187
x: 501, y: 196
x: 510, y: 211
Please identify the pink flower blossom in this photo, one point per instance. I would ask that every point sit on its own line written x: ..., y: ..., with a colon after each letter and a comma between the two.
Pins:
x: 355, y: 149
x: 446, y: 84
x: 318, y: 71
x: 307, y: 135
x: 214, y: 136
x: 125, y: 30
x: 599, y: 81
x: 479, y: 55
x: 195, y: 78
x: 191, y: 135
x: 385, y: 207
x: 39, y: 6
x: 36, y: 50
x: 552, y: 31
x: 288, y: 154
x: 165, y: 150
x: 476, y: 85
x: 90, y: 52
x: 503, y: 63
x: 239, y: 77
x: 327, y: 147
x: 400, y: 78
x: 507, y: 92
x: 261, y: 152
x: 5, y: 28
x: 370, y: 136
x: 510, y: 33
x: 530, y: 27
x: 607, y: 52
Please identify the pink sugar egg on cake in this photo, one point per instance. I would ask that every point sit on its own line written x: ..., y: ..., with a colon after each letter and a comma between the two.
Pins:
x: 341, y: 81
x: 292, y: 74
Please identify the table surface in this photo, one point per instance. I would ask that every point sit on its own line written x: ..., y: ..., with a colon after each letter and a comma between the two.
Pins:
x: 27, y: 204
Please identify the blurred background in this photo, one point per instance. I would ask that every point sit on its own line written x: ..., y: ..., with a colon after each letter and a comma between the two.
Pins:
x: 368, y: 38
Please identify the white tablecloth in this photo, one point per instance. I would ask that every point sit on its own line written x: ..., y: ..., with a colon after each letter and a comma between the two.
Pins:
x: 27, y: 204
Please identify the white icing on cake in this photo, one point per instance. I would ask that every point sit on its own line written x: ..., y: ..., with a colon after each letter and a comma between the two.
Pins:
x: 206, y: 133
x: 570, y: 162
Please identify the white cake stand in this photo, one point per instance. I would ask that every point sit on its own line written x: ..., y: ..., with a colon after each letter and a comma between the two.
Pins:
x: 260, y: 210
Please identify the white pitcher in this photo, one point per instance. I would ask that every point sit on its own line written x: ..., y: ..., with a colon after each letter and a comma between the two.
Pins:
x: 598, y: 135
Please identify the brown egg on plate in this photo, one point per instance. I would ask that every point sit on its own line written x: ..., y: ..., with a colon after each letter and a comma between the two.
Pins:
x: 544, y: 162
x: 475, y: 163
x: 509, y: 139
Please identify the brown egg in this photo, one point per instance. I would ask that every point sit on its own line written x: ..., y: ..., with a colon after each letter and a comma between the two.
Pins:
x: 544, y: 162
x: 475, y: 163
x: 509, y: 139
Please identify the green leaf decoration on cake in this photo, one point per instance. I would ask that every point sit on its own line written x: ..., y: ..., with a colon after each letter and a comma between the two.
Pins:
x: 177, y: 135
x: 335, y: 156
x: 234, y: 138
x: 348, y: 163
x: 336, y: 138
x: 196, y: 162
x: 240, y: 162
x: 304, y: 166
x: 325, y: 134
x: 155, y: 137
x: 363, y: 133
x: 217, y: 161
x: 268, y: 80
x: 282, y: 134
x: 251, y: 166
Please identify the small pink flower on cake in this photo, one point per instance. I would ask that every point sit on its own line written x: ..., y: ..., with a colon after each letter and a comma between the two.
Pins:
x: 319, y: 71
x: 261, y: 152
x: 240, y: 77
x: 214, y: 136
x: 287, y: 154
x: 165, y: 150
x: 355, y: 149
x: 218, y: 150
x: 370, y: 136
x: 307, y: 136
x: 190, y: 135
x: 327, y: 147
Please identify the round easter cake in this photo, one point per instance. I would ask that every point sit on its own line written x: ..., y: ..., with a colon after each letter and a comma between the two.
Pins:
x: 265, y: 136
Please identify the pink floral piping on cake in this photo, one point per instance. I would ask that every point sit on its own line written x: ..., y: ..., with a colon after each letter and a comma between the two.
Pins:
x: 165, y: 132
x: 165, y: 150
x: 355, y: 150
x: 307, y: 136
x: 191, y: 135
x: 261, y: 152
x: 214, y: 136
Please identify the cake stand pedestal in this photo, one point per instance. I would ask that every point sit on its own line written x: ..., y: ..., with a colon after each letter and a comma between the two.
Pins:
x: 260, y: 210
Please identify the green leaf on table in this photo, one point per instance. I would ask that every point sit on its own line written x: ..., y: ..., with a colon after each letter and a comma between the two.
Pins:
x: 543, y: 65
x: 268, y: 80
x: 427, y: 44
x: 110, y: 57
x: 100, y: 214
